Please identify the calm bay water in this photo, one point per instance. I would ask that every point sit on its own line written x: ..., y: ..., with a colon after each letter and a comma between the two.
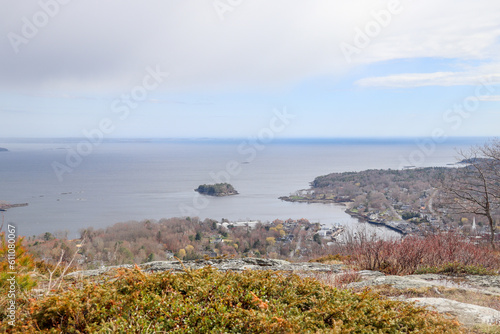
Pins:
x: 132, y: 180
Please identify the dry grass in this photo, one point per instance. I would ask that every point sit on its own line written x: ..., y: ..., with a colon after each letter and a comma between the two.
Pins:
x: 331, y: 259
x: 485, y: 329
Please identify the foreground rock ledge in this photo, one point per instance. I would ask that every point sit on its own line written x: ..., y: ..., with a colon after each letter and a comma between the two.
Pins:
x: 248, y: 263
x: 467, y: 314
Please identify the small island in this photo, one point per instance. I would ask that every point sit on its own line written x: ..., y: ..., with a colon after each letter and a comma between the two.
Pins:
x: 3, y: 149
x: 218, y: 189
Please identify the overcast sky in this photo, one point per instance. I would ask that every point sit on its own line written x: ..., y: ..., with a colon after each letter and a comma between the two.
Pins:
x: 224, y: 68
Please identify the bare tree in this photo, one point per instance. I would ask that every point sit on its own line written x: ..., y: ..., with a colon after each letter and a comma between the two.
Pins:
x: 474, y: 188
x: 491, y: 152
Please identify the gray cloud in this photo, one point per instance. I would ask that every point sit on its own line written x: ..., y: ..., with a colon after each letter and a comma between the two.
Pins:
x: 105, y: 46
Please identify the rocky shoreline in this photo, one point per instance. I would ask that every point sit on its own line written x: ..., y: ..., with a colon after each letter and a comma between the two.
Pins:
x: 308, y: 200
x: 343, y: 201
x: 375, y: 222
x: 333, y: 200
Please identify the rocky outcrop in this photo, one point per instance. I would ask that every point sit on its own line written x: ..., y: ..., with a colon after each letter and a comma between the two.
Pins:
x: 487, y: 285
x: 222, y: 264
x: 468, y: 314
x: 398, y: 282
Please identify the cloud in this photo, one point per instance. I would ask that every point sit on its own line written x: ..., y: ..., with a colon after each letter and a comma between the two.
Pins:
x: 105, y: 46
x: 100, y: 46
x: 489, y: 98
x: 431, y: 79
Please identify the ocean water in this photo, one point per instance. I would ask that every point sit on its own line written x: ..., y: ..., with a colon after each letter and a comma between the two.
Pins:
x: 134, y: 180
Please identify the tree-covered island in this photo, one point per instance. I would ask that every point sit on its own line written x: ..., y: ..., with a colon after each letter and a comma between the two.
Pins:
x: 218, y: 189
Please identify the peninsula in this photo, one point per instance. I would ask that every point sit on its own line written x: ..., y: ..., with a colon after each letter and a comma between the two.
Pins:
x: 407, y: 201
x: 218, y: 189
x: 3, y: 149
x: 4, y: 206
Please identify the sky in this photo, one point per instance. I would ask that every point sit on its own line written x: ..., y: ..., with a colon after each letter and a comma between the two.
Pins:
x: 240, y: 68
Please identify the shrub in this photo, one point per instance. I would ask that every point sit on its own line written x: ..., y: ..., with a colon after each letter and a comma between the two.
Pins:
x: 23, y: 266
x: 207, y: 300
x: 456, y: 269
x: 411, y: 254
x: 330, y: 259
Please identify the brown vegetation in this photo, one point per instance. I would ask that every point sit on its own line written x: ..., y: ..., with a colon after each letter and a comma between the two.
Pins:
x: 185, y: 238
x: 207, y: 300
x: 448, y: 253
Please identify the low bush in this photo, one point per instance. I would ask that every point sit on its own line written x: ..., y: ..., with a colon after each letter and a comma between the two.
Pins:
x: 208, y: 300
x: 456, y: 269
x: 411, y: 254
x: 330, y: 259
x: 20, y: 262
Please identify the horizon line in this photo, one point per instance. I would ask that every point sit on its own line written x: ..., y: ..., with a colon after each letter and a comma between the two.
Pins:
x: 269, y: 141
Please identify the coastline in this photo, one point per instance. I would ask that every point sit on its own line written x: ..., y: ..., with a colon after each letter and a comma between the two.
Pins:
x: 4, y: 207
x: 334, y: 200
x: 218, y: 195
x: 166, y: 187
x: 374, y: 222
x: 348, y: 205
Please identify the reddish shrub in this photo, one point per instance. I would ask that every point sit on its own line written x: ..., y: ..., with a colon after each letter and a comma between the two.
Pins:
x: 406, y: 256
